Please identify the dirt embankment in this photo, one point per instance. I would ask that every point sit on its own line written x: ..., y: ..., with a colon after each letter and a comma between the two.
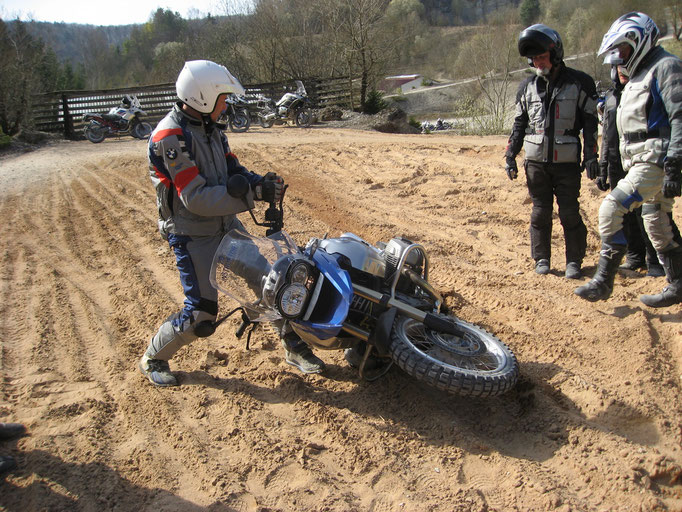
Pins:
x: 595, y: 423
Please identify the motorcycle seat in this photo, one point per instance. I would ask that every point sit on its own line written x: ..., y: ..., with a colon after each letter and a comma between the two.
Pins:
x: 111, y: 117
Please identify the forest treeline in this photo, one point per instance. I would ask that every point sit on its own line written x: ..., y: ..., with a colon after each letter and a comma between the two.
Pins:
x: 274, y: 40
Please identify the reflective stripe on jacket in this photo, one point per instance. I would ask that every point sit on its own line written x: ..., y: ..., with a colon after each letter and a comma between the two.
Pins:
x: 549, y: 117
x: 190, y: 168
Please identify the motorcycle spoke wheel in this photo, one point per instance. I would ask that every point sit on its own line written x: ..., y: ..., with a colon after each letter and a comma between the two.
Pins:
x: 95, y: 133
x: 475, y: 364
x: 239, y: 123
x: 142, y: 130
x: 304, y: 117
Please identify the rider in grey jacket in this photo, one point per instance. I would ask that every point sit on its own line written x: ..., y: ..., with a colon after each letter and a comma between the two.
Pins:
x: 190, y: 163
x: 552, y: 108
x: 649, y: 122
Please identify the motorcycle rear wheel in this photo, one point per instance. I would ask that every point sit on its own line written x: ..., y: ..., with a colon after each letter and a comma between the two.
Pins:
x: 304, y: 117
x: 94, y: 132
x: 240, y: 122
x: 477, y: 364
x: 142, y: 130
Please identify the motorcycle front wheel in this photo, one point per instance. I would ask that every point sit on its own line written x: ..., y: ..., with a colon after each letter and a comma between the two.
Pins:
x: 142, y: 130
x: 476, y: 364
x: 304, y: 117
x: 94, y: 132
x: 240, y: 122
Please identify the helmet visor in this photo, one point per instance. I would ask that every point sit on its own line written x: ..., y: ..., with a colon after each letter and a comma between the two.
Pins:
x: 613, y: 58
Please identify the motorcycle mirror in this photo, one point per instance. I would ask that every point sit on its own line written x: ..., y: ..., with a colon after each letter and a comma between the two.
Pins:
x: 238, y: 186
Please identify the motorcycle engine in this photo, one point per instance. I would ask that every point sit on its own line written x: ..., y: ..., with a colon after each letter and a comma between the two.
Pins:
x: 393, y: 252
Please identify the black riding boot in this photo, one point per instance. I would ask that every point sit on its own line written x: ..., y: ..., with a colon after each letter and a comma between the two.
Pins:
x: 671, y: 294
x: 601, y: 285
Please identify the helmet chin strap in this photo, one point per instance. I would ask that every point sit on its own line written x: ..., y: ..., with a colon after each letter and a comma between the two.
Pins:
x: 209, y: 124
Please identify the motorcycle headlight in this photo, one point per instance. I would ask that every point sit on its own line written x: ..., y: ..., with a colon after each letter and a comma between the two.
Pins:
x: 300, y: 273
x: 292, y: 299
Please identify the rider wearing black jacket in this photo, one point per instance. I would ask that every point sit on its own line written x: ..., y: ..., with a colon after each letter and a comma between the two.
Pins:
x: 552, y: 108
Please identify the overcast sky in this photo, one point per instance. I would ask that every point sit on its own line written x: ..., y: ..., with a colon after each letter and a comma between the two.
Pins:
x: 117, y: 12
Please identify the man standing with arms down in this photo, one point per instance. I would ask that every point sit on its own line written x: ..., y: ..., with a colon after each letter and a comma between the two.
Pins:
x: 649, y: 122
x: 552, y: 108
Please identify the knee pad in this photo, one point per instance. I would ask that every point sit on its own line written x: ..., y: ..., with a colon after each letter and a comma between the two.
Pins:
x: 180, y: 330
x: 610, y: 218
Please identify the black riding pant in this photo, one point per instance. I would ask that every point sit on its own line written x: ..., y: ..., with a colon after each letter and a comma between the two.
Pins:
x: 545, y: 182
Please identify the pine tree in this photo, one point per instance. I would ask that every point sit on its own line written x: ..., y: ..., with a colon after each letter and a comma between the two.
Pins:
x: 529, y: 12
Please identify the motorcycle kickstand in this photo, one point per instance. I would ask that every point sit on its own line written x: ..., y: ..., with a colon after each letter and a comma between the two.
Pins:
x: 380, y: 373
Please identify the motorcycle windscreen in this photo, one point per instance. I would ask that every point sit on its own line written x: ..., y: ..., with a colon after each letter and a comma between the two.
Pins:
x: 243, y: 263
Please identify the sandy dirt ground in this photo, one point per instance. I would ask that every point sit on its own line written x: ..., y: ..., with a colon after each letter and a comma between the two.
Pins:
x: 595, y: 422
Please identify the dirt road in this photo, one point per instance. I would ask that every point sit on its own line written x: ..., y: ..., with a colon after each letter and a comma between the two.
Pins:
x: 594, y: 424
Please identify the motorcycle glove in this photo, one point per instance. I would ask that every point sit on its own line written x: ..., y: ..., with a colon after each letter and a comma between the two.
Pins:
x: 270, y: 188
x: 511, y: 168
x: 602, y: 180
x: 591, y: 166
x: 672, y: 181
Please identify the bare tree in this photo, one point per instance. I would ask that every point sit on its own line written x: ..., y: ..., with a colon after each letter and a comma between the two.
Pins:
x: 490, y: 57
x: 361, y: 36
x: 20, y: 56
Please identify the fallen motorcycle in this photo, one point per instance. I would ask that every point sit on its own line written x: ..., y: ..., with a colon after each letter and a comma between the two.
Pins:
x: 374, y: 302
x: 124, y: 119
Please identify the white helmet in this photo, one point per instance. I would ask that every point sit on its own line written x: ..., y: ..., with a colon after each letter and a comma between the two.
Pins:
x: 201, y: 82
x: 636, y: 29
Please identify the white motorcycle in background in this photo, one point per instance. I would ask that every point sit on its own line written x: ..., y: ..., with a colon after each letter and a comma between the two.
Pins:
x: 291, y: 106
x: 121, y: 120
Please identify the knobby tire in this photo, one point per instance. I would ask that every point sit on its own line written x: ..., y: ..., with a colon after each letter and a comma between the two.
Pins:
x: 478, y: 364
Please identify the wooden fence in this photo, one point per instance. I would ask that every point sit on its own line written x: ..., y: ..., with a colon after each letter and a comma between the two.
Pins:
x: 63, y: 111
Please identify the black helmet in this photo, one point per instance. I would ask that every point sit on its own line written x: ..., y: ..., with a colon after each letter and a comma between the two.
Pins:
x: 125, y: 101
x: 538, y: 39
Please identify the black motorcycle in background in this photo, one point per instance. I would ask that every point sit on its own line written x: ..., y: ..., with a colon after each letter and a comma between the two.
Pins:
x: 124, y: 119
x: 236, y: 115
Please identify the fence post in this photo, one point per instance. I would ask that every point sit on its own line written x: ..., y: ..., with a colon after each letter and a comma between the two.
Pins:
x: 69, y: 132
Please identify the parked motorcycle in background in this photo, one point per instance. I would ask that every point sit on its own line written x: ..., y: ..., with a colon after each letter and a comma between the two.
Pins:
x: 236, y: 115
x: 122, y: 120
x: 428, y: 127
x: 373, y: 301
x: 293, y: 106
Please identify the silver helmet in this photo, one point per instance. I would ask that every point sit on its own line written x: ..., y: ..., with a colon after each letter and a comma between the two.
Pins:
x: 635, y: 29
